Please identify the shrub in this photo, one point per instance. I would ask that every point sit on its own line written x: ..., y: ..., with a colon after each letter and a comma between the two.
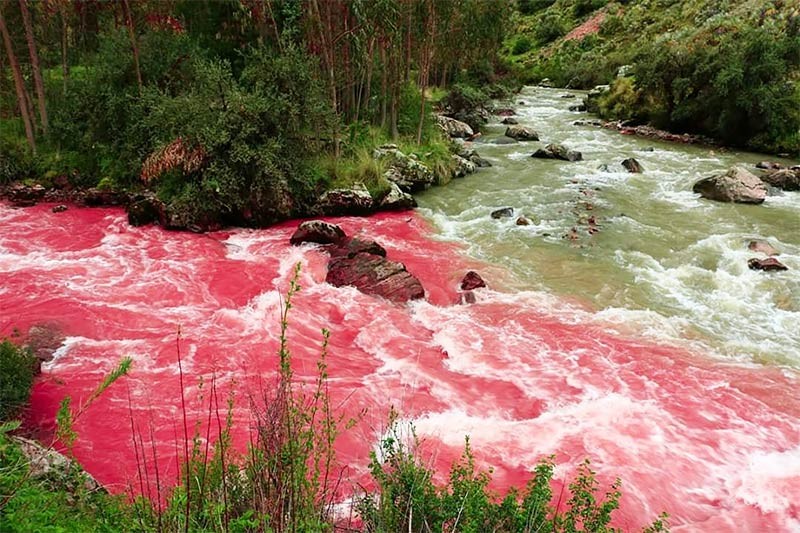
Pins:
x: 17, y: 368
x: 621, y: 101
x: 521, y: 45
x: 529, y: 7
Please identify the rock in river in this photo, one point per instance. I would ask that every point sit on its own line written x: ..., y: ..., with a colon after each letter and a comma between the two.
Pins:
x: 521, y: 133
x: 769, y: 264
x: 504, y: 212
x: 632, y: 166
x: 737, y: 185
x: 375, y: 275
x: 472, y: 280
x: 319, y: 232
x: 558, y: 151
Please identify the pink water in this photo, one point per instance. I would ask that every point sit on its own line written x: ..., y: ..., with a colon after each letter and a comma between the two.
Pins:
x: 715, y: 444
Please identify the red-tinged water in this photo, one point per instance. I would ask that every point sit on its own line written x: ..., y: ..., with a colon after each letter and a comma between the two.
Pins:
x: 716, y: 445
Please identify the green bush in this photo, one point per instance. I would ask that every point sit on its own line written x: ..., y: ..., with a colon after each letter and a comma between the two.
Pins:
x: 17, y: 368
x: 521, y: 45
x: 621, y: 101
x: 529, y: 7
x: 549, y: 28
x: 408, y: 499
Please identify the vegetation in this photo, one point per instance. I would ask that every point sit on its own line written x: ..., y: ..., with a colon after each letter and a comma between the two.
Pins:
x: 730, y: 70
x: 225, y: 108
x: 287, y: 478
x: 17, y: 368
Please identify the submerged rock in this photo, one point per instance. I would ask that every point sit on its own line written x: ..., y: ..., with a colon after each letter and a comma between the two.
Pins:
x: 769, y: 165
x: 504, y: 212
x: 375, y: 275
x: 504, y: 140
x: 59, y: 208
x: 317, y: 231
x: 737, y: 185
x: 558, y: 151
x: 471, y: 281
x: 762, y: 247
x: 578, y: 108
x: 523, y: 221
x: 509, y: 121
x: 521, y: 133
x: 632, y: 166
x: 769, y: 264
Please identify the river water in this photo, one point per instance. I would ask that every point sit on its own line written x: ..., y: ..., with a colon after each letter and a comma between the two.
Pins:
x: 648, y: 346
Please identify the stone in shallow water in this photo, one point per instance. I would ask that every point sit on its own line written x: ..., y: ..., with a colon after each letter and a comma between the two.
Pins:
x: 769, y: 264
x: 737, y: 185
x: 472, y: 280
x: 504, y: 212
x: 376, y: 276
x: 319, y: 232
x: 763, y: 247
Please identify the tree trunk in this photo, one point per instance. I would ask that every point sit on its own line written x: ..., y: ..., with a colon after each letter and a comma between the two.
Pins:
x: 64, y: 35
x: 126, y: 12
x: 384, y: 84
x: 35, y: 66
x: 19, y: 84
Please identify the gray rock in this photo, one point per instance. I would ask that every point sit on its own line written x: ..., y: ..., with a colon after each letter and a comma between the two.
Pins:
x: 557, y: 151
x: 341, y: 202
x: 408, y: 173
x: 509, y: 121
x: 521, y: 133
x: 737, y: 185
x: 504, y: 140
x: 784, y: 179
x: 397, y: 200
x: 454, y: 128
x: 462, y: 166
x: 505, y: 212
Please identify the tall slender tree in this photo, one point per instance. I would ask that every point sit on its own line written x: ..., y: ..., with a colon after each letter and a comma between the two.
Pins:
x: 19, y: 82
x: 35, y: 65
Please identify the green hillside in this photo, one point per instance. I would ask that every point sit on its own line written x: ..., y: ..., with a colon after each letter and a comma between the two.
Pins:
x: 729, y: 69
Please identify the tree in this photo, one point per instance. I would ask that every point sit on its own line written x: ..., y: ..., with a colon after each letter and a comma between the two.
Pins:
x: 35, y: 66
x: 19, y: 83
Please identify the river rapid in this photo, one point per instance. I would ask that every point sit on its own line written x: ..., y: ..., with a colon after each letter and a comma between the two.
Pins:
x: 647, y: 346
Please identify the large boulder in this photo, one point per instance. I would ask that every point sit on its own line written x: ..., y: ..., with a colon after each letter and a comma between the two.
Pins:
x: 473, y: 156
x: 558, y: 151
x: 786, y: 179
x: 375, y: 275
x: 406, y: 171
x: 396, y: 200
x: 462, y: 166
x: 455, y: 128
x: 319, y: 232
x: 340, y: 202
x: 737, y: 185
x: 521, y: 133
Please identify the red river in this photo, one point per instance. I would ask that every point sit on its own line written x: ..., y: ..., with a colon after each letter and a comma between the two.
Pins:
x: 714, y: 443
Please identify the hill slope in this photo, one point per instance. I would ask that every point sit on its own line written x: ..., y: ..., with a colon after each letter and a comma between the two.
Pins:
x: 729, y: 69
